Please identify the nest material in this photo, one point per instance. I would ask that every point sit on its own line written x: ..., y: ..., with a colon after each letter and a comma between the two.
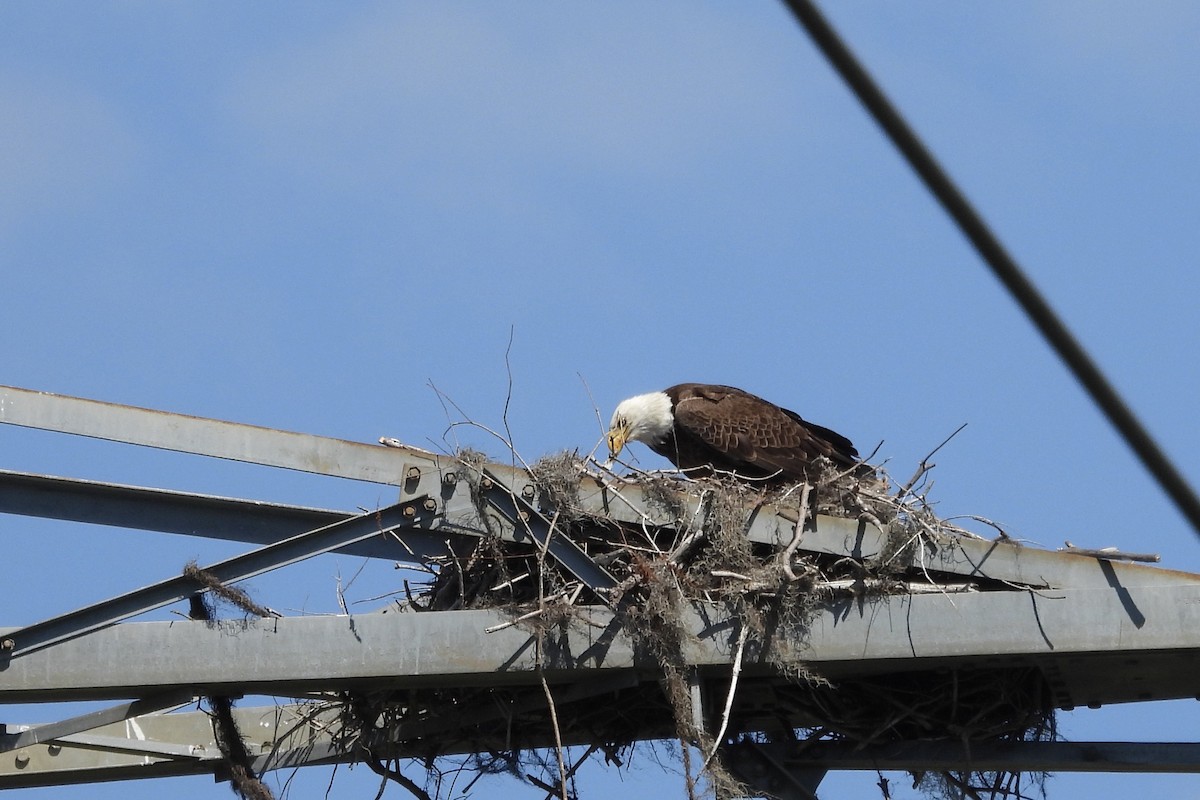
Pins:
x: 768, y: 592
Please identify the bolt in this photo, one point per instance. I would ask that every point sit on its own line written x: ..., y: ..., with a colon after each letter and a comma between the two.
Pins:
x: 410, y: 512
x: 527, y: 492
x: 414, y: 473
x: 430, y: 504
x: 450, y: 478
x: 7, y: 645
x: 485, y: 483
x: 524, y: 515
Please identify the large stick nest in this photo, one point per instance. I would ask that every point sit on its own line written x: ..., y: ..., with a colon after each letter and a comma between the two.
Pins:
x: 768, y: 592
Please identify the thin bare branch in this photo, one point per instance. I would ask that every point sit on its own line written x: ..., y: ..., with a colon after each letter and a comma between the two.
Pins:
x: 733, y: 679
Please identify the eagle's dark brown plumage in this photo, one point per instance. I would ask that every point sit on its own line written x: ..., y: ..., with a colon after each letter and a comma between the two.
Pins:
x: 704, y: 427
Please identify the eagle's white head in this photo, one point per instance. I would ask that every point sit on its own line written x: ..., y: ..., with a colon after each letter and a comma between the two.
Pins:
x: 645, y: 418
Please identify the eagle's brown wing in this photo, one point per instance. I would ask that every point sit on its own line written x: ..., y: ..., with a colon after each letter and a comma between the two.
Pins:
x: 737, y: 431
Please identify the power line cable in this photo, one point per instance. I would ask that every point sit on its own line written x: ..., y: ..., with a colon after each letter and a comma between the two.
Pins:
x: 1002, y: 264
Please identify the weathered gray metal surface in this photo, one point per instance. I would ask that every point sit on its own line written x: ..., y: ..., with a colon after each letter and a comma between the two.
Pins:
x: 377, y: 524
x: 984, y: 756
x: 152, y: 745
x: 31, y: 735
x: 161, y: 745
x: 294, y: 735
x: 962, y: 556
x: 1099, y: 645
x: 209, y: 437
x: 616, y: 500
x: 143, y: 508
x: 522, y: 518
x: 262, y: 523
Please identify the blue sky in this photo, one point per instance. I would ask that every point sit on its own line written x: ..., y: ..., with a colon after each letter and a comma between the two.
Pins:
x: 302, y: 215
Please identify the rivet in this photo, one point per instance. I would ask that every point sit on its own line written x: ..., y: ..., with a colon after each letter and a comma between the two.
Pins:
x: 22, y: 758
x: 7, y: 644
x: 410, y: 512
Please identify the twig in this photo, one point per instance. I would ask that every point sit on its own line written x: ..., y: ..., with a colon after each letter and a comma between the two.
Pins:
x: 537, y: 612
x: 873, y: 584
x: 851, y: 470
x: 724, y: 573
x: 341, y: 596
x: 575, y: 767
x: 1111, y: 554
x: 990, y: 523
x: 599, y: 419
x: 508, y: 583
x: 790, y: 550
x: 733, y: 679
x: 925, y: 466
x: 466, y: 420
x: 693, y: 536
x: 508, y: 394
x: 558, y: 748
x: 399, y: 777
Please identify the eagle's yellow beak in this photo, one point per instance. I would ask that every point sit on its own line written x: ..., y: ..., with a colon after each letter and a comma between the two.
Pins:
x: 617, y: 437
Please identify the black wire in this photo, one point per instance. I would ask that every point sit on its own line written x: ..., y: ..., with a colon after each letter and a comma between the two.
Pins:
x: 1001, y: 263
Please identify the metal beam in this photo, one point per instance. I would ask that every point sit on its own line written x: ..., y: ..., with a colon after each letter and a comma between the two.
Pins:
x: 262, y: 523
x: 144, y: 508
x: 523, y: 517
x: 26, y: 736
x: 627, y: 502
x: 18, y: 643
x: 1003, y: 561
x: 209, y: 437
x: 162, y: 745
x: 1183, y: 757
x: 769, y: 776
x: 296, y: 735
x: 276, y: 737
x: 1099, y: 646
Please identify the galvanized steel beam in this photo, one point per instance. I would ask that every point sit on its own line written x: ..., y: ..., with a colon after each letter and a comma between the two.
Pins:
x: 276, y: 737
x: 144, y: 508
x: 961, y: 556
x: 208, y: 437
x: 17, y: 643
x: 1096, y: 645
x: 523, y: 517
x: 1180, y: 757
x: 33, y: 734
x: 414, y: 470
x: 297, y: 735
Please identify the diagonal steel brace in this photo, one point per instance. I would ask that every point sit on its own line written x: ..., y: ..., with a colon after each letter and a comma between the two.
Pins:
x: 525, y: 517
x: 256, y: 562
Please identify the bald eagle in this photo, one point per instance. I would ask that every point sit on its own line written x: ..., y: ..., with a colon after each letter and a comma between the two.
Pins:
x: 702, y: 428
